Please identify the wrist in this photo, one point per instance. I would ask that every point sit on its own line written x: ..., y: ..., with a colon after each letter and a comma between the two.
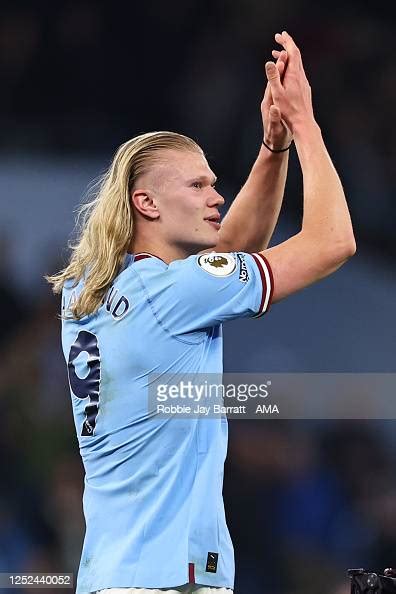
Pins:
x: 309, y: 142
x: 306, y: 130
x: 274, y: 149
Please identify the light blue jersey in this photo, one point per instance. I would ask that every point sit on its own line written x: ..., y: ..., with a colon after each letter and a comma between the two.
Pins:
x: 153, y: 488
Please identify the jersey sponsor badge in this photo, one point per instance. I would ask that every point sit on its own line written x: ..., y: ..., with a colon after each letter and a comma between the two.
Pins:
x: 211, y: 562
x: 217, y: 264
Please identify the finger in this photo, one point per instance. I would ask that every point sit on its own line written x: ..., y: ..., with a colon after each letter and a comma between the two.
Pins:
x: 267, y: 96
x: 288, y: 37
x: 279, y: 39
x: 281, y: 63
x: 280, y: 66
x: 273, y: 77
x: 287, y: 42
x: 282, y: 56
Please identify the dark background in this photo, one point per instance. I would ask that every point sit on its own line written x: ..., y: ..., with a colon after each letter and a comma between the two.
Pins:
x: 304, y: 499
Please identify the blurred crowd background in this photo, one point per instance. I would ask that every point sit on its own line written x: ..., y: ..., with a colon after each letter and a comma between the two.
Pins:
x: 304, y: 499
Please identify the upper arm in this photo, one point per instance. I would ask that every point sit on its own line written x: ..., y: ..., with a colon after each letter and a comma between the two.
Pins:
x: 299, y: 262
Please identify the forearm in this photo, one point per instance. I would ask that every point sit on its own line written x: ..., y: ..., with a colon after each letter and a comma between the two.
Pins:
x: 326, y: 239
x: 326, y: 216
x: 251, y: 219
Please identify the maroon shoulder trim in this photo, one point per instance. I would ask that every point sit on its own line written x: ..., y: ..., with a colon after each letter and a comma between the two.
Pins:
x: 263, y: 282
x: 272, y: 280
x: 267, y: 281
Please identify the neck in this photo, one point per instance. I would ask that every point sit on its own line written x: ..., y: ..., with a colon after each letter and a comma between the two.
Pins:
x: 167, y: 253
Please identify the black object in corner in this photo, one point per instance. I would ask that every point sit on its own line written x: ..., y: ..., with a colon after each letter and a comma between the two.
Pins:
x: 367, y: 582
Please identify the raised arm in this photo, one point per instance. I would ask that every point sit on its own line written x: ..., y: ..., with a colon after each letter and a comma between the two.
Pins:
x: 251, y: 219
x: 326, y: 239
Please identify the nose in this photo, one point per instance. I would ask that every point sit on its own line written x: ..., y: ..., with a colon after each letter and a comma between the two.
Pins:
x: 215, y: 199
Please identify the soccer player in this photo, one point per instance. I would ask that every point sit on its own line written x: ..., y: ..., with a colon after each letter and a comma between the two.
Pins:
x: 140, y: 297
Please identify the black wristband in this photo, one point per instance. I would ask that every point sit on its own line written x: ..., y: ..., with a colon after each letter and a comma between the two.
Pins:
x: 277, y: 150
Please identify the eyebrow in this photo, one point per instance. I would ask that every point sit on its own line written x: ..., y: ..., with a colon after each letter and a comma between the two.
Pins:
x: 202, y: 178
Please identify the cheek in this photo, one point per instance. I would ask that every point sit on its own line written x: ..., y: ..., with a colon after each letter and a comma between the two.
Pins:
x: 174, y: 208
x: 184, y: 211
x: 191, y: 208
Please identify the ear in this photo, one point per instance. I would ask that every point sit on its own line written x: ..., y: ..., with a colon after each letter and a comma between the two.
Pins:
x: 145, y: 203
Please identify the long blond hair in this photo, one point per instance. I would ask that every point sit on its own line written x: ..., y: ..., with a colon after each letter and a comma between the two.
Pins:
x: 105, y: 223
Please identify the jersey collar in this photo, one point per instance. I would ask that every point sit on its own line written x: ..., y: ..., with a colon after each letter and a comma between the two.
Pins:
x: 143, y: 255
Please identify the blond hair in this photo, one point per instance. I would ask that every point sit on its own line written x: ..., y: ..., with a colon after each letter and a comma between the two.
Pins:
x: 105, y: 223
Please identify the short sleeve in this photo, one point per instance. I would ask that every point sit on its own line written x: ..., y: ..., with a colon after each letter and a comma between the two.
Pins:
x: 208, y: 289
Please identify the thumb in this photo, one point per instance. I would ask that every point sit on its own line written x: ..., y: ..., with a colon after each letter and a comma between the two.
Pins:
x: 273, y: 77
x: 274, y: 114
